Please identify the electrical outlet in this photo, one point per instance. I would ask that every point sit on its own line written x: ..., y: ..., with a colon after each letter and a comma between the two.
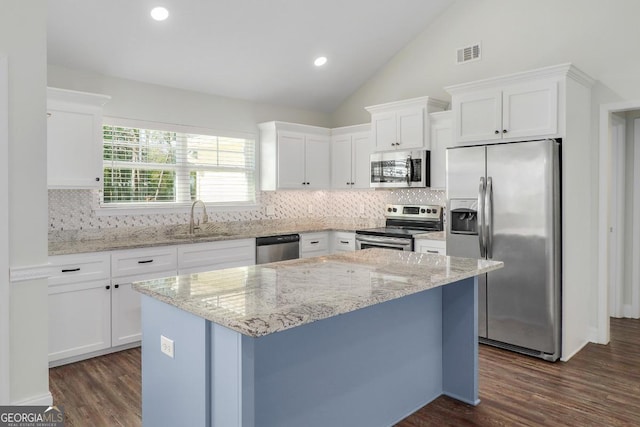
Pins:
x: 310, y: 208
x: 166, y: 346
x: 271, y: 210
x: 361, y: 208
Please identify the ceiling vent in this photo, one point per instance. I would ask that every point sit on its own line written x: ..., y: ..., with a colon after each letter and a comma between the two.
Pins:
x: 468, y: 53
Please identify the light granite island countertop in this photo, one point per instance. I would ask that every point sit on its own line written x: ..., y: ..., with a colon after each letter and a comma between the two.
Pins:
x: 360, y: 339
x: 262, y: 299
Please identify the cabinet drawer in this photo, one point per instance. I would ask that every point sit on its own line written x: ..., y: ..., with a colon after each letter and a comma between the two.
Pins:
x: 431, y: 246
x: 78, y: 268
x: 344, y: 242
x: 143, y: 261
x: 314, y: 242
x: 216, y: 255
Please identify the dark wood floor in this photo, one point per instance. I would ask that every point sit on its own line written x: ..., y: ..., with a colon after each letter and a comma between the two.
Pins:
x: 600, y: 386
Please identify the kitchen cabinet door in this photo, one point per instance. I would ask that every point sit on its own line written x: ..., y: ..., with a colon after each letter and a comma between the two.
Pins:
x: 291, y: 160
x: 441, y: 139
x: 511, y: 112
x: 79, y: 303
x: 126, y: 315
x: 530, y: 109
x: 79, y: 319
x: 341, y: 162
x: 74, y: 139
x: 478, y: 116
x: 402, y: 125
x: 128, y: 266
x: 360, y: 163
x: 384, y: 130
x: 410, y: 129
x: 317, y: 162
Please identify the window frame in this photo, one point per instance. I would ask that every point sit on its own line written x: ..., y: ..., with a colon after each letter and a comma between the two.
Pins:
x: 174, y: 207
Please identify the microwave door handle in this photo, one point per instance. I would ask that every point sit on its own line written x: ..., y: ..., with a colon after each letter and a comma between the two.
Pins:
x: 409, y: 170
x: 481, y: 217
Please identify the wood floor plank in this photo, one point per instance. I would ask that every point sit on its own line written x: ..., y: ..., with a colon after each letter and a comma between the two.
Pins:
x: 600, y: 386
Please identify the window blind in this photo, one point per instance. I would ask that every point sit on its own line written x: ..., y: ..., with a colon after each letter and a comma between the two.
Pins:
x: 146, y: 166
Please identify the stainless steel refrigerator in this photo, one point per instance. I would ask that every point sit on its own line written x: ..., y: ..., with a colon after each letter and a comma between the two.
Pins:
x: 503, y: 203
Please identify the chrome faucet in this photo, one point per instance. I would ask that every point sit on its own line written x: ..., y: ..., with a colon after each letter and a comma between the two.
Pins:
x: 195, y: 224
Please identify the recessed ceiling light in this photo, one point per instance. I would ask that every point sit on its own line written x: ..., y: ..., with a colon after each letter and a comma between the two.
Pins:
x: 159, y: 13
x: 320, y: 61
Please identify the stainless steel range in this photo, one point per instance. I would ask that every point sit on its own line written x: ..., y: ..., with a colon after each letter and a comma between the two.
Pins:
x: 402, y: 223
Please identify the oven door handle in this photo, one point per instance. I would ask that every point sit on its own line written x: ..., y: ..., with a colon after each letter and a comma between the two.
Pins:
x: 385, y: 241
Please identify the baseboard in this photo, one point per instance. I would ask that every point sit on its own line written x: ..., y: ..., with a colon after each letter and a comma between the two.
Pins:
x: 566, y: 357
x: 80, y: 357
x: 594, y: 335
x: 42, y: 400
x: 629, y: 312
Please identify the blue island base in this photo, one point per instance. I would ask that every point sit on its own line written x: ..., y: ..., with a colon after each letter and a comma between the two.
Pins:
x: 369, y: 367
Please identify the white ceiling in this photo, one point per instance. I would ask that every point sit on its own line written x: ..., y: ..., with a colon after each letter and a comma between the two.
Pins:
x: 257, y: 50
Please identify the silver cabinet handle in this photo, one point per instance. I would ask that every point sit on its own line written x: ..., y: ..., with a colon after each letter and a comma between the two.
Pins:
x: 480, y: 225
x: 145, y: 261
x: 432, y: 252
x: 70, y: 270
x: 489, y: 219
x: 315, y: 242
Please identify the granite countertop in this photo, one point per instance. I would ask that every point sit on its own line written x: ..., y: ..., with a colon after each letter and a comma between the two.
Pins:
x: 79, y: 241
x: 264, y: 299
x: 432, y: 235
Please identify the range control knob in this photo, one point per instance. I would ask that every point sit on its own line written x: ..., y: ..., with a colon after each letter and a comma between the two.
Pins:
x: 388, y: 209
x: 395, y: 209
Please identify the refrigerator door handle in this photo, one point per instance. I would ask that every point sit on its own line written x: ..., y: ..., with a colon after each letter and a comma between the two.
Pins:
x: 481, y: 218
x: 489, y: 218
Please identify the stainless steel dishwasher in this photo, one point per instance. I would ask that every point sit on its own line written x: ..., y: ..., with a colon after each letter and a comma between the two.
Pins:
x: 277, y: 248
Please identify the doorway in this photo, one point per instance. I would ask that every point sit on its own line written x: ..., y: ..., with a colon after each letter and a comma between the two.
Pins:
x: 619, y: 215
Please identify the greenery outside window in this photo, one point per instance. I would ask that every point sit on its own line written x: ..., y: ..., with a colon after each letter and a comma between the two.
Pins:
x: 150, y: 167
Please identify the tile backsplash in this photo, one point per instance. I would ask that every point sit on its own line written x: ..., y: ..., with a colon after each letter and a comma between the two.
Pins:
x: 76, y: 209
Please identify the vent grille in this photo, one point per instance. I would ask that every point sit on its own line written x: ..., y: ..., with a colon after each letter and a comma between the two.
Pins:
x: 468, y: 53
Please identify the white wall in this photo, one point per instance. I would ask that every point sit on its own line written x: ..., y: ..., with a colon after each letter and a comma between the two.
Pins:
x: 516, y: 36
x: 23, y: 40
x: 144, y: 101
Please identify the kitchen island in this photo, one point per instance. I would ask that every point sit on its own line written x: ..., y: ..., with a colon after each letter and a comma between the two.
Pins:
x: 359, y: 339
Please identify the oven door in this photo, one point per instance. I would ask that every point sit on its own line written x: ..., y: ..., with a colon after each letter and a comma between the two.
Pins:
x: 365, y: 242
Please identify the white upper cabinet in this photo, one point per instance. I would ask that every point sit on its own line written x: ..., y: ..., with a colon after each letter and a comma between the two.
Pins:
x: 441, y: 139
x: 294, y: 156
x: 511, y: 108
x: 403, y: 125
x: 350, y: 151
x: 74, y: 138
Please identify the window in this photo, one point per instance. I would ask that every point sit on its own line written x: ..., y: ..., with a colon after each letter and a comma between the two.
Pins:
x: 157, y: 167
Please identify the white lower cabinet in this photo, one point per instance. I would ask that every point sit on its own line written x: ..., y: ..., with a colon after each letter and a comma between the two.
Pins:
x: 128, y: 266
x: 93, y: 309
x: 427, y: 246
x: 343, y: 241
x: 314, y: 244
x: 79, y: 305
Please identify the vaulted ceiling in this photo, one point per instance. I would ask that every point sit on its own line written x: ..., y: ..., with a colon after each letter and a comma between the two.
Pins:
x: 256, y: 50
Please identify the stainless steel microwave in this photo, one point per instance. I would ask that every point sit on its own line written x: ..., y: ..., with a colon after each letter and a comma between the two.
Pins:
x: 400, y: 169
